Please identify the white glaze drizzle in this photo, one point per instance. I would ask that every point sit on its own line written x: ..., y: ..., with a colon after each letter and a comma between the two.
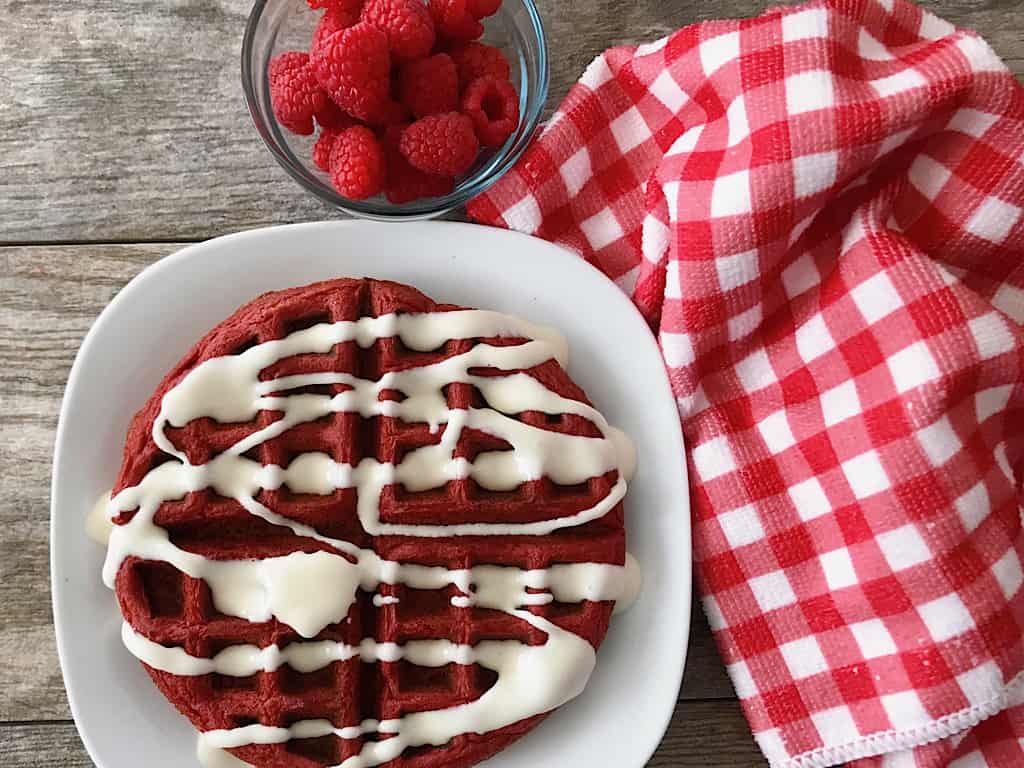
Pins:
x: 497, y: 587
x: 215, y: 757
x: 98, y: 524
x: 564, y: 662
x: 531, y: 679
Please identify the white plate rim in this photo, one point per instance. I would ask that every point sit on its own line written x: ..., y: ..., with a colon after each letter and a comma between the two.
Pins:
x: 176, y: 260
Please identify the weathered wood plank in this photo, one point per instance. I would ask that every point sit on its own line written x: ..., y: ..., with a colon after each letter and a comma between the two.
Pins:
x: 124, y: 121
x: 21, y: 745
x: 708, y: 733
x: 49, y: 296
x: 704, y: 734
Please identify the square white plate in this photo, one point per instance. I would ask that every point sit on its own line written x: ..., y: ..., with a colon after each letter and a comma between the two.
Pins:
x: 620, y: 718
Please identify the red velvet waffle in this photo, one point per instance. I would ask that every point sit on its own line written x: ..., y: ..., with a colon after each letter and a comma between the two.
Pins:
x: 172, y: 609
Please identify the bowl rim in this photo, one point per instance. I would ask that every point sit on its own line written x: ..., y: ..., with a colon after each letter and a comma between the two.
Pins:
x: 480, y: 181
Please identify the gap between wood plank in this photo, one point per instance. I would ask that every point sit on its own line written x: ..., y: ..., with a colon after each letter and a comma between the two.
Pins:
x: 104, y: 243
x: 34, y: 723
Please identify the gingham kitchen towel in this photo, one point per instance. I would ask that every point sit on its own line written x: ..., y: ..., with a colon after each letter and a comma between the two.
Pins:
x: 819, y: 211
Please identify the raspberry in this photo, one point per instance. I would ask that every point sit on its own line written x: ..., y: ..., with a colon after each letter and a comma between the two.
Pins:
x: 334, y: 20
x: 357, y: 163
x: 332, y: 116
x: 469, y: 29
x: 405, y: 183
x: 481, y: 8
x: 354, y: 68
x: 444, y: 145
x: 294, y: 93
x: 349, y: 7
x: 429, y: 86
x: 388, y: 113
x: 475, y: 60
x: 493, y: 106
x: 322, y: 148
x: 454, y: 21
x: 407, y: 23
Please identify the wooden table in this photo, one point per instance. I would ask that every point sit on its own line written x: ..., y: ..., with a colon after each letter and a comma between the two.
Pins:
x: 123, y: 135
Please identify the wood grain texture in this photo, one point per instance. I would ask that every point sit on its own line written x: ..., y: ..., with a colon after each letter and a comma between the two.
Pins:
x: 705, y: 734
x: 49, y: 298
x: 124, y: 121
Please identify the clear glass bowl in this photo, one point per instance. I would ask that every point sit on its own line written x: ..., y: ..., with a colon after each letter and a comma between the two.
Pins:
x: 282, y: 25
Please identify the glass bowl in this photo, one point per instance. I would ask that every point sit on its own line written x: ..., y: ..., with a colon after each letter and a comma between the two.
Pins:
x: 276, y: 26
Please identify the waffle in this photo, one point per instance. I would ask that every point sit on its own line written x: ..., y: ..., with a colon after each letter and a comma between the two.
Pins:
x: 172, y: 609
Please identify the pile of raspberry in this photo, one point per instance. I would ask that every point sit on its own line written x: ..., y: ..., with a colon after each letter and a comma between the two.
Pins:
x: 404, y: 94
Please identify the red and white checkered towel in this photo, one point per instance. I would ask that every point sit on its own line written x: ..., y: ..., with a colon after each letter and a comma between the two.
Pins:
x: 820, y: 212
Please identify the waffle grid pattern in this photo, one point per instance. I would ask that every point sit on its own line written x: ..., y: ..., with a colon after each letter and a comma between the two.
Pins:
x: 173, y: 609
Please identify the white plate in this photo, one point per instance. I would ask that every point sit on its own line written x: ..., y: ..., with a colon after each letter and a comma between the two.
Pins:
x: 620, y: 718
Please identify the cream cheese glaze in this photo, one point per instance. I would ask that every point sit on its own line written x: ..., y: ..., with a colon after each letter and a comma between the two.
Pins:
x: 530, y: 679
